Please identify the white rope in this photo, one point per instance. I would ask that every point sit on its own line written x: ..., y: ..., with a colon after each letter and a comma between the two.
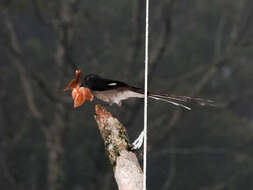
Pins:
x: 146, y: 99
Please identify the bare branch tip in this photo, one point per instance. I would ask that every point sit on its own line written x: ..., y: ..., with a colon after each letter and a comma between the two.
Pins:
x: 101, y: 111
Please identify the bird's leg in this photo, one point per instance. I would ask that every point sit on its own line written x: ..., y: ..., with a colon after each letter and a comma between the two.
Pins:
x: 138, y: 142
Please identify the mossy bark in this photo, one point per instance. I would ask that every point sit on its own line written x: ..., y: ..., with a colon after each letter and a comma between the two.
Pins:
x: 127, y: 170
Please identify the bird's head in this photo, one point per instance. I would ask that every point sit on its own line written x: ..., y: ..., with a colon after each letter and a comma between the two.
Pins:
x: 90, y: 80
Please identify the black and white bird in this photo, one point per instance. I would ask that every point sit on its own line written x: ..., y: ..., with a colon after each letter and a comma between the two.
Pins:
x: 113, y: 92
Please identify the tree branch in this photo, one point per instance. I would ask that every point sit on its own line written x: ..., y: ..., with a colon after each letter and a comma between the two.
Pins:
x: 136, y: 34
x: 220, y: 58
x: 15, y: 57
x: 127, y: 170
x: 159, y: 50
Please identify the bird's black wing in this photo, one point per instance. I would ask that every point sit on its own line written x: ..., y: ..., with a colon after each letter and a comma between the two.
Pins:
x: 97, y: 83
x: 107, y: 84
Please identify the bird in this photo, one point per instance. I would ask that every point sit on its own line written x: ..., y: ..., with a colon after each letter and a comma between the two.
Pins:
x: 114, y: 92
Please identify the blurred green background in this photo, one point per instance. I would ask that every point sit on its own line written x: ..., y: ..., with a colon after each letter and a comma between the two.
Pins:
x: 197, y: 48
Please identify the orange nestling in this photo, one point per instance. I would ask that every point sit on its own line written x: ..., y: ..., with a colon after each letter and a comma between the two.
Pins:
x: 79, y: 94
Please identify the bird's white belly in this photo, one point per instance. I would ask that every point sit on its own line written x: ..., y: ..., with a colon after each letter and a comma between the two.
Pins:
x: 112, y: 96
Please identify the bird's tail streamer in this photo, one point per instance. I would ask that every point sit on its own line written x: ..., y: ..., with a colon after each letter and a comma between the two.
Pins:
x: 175, y: 99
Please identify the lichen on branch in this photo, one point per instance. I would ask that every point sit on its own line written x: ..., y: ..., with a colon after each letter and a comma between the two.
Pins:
x: 113, y: 133
x: 127, y: 171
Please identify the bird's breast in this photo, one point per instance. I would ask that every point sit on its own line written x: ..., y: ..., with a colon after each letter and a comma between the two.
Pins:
x: 116, y: 96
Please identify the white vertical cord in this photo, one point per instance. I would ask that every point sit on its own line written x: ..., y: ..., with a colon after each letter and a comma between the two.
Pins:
x: 146, y: 99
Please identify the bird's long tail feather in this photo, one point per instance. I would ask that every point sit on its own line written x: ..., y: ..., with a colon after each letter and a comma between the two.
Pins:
x: 169, y: 101
x: 174, y: 99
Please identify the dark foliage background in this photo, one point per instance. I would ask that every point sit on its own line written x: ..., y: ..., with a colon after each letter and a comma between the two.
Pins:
x: 198, y: 48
